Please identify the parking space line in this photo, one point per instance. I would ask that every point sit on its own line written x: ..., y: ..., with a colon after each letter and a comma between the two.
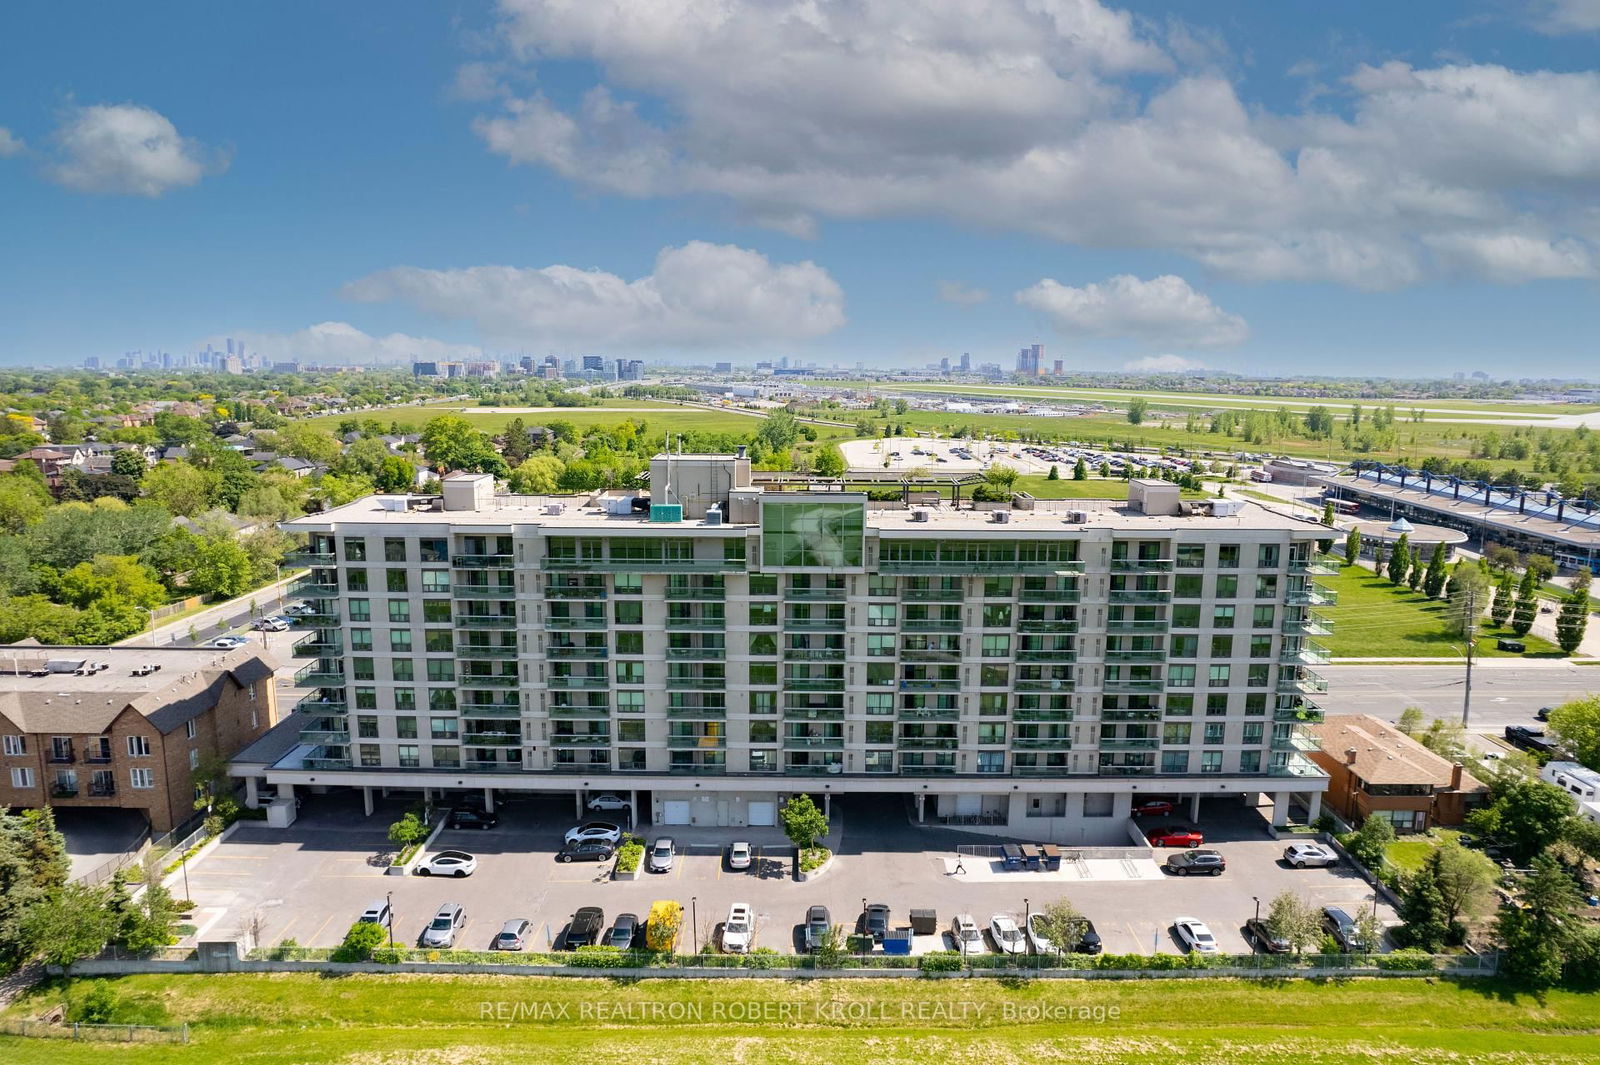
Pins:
x: 319, y: 930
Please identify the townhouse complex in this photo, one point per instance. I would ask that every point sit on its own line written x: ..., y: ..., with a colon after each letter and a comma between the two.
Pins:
x: 714, y: 646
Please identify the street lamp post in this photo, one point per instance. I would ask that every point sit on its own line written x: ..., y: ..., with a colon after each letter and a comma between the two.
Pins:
x: 1027, y: 915
x: 389, y: 901
x: 865, y: 935
x: 1257, y: 900
x: 694, y: 922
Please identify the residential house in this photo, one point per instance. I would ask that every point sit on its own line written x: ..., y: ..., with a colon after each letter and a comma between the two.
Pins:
x: 1375, y: 770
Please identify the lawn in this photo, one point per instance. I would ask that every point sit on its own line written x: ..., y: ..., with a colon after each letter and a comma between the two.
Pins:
x: 426, y: 1020
x: 1375, y: 619
x: 1410, y: 852
x: 1040, y: 486
x: 657, y: 417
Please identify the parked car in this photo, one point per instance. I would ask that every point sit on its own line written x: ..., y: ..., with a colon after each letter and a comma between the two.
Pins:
x: 467, y: 817
x: 1040, y: 942
x: 1506, y: 644
x: 585, y: 927
x: 604, y: 831
x: 875, y: 920
x: 1175, y: 836
x: 622, y: 931
x: 448, y: 863
x: 1194, y: 935
x: 513, y: 935
x: 738, y: 929
x: 1153, y: 808
x: 376, y: 913
x: 228, y: 643
x: 441, y: 931
x: 1260, y: 936
x: 299, y: 609
x: 1543, y: 713
x: 592, y: 850
x: 609, y: 802
x: 1301, y: 855
x: 1195, y: 862
x: 964, y: 932
x: 739, y: 856
x: 661, y: 854
x: 818, y: 924
x: 1342, y: 927
x: 1528, y: 739
x: 1008, y: 938
x: 1088, y: 942
x: 273, y: 624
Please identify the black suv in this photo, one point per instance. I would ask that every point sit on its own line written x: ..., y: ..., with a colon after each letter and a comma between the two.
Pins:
x: 1260, y: 936
x: 1529, y: 739
x: 875, y: 921
x: 469, y: 818
x: 586, y: 926
x: 1191, y: 862
x: 590, y: 850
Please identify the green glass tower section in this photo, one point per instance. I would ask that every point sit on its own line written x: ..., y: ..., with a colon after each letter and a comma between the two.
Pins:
x: 813, y: 535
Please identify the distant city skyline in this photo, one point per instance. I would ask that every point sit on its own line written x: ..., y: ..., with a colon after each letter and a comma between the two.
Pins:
x: 1355, y: 189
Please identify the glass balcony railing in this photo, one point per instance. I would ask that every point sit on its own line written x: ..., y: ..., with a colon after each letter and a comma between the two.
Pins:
x: 589, y: 712
x: 321, y: 675
x: 1129, y: 743
x: 639, y: 565
x: 928, y: 625
x: 316, y: 645
x: 933, y: 595
x: 320, y: 734
x: 814, y: 654
x: 587, y: 739
x: 575, y: 683
x: 814, y: 684
x: 695, y: 743
x: 488, y: 680
x: 1156, y: 654
x: 1315, y: 566
x: 926, y: 743
x: 1047, y: 625
x: 1306, y: 683
x: 560, y: 651
x: 306, y: 557
x: 306, y: 588
x: 1127, y: 684
x: 1041, y: 715
x: 482, y: 561
x: 1141, y: 565
x: 484, y: 591
x: 1041, y: 743
x: 481, y: 651
x: 958, y: 566
x: 1049, y: 595
x: 926, y: 684
x: 490, y: 621
x: 564, y: 624
x: 1048, y: 654
x: 1310, y: 625
x: 813, y: 743
x: 693, y: 654
x: 927, y: 713
x: 500, y: 710
x: 697, y: 710
x: 930, y: 656
x: 1140, y: 595
x: 316, y: 703
x: 1053, y: 684
x: 575, y: 591
x: 1314, y: 595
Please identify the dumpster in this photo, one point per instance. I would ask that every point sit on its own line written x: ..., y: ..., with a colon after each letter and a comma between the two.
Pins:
x: 1011, y: 856
x: 897, y: 941
x: 1031, y: 858
x: 925, y: 922
x: 1050, y: 855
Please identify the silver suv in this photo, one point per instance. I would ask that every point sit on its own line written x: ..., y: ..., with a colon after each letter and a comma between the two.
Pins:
x: 441, y: 931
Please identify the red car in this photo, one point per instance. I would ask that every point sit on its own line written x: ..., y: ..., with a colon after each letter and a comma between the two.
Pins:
x: 1153, y: 808
x: 1175, y: 837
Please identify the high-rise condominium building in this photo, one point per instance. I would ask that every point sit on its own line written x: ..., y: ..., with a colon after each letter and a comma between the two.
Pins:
x: 1030, y: 360
x: 722, y: 646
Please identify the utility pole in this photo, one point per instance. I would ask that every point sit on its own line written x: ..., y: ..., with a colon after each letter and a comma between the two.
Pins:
x: 1469, y: 630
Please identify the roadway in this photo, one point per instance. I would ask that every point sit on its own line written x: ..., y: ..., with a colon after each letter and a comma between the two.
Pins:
x: 1503, y: 693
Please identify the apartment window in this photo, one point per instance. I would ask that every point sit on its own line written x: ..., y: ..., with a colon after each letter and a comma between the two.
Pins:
x: 22, y: 777
x: 764, y: 673
x: 400, y: 641
x: 403, y: 669
x: 441, y: 669
x: 194, y: 759
x: 881, y: 587
x: 765, y: 702
x: 1267, y: 556
x: 630, y: 643
x: 997, y: 647
x: 997, y: 615
x: 1222, y: 647
x: 355, y: 580
x: 369, y: 756
x: 436, y: 611
x: 394, y: 550
x: 435, y: 580
x: 405, y: 727
x: 763, y: 643
x: 994, y: 676
x: 441, y: 699
x: 1221, y: 676
x: 1191, y: 556
x: 360, y: 639
x: 1176, y: 733
x: 443, y: 728
x: 628, y: 612
x: 405, y: 698
x: 882, y: 615
x: 1267, y: 586
x: 1216, y: 705
x: 630, y: 703
x: 880, y: 704
x: 395, y: 579
x: 438, y: 641
x: 763, y: 584
x: 1255, y: 704
x: 1187, y: 646
x: 360, y: 609
x: 1261, y: 647
x: 630, y: 672
x: 1258, y: 676
x: 1188, y: 586
x: 15, y: 745
x: 1186, y: 616
x: 880, y: 674
x: 434, y: 550
x: 764, y: 761
x: 399, y: 612
x: 1252, y: 732
x: 1264, y: 617
x: 993, y: 732
x: 1222, y: 617
x: 998, y: 587
x: 1215, y: 731
x: 1210, y: 761
x: 992, y: 704
x: 408, y: 756
x: 1227, y: 586
x: 1227, y: 556
x: 191, y: 729
x: 1179, y: 676
x: 880, y: 646
x: 1249, y: 761
x: 366, y: 727
x: 355, y: 549
x: 446, y: 758
x: 1180, y: 705
x: 1174, y: 761
x: 138, y: 747
x: 363, y: 669
x: 366, y: 698
x: 142, y: 779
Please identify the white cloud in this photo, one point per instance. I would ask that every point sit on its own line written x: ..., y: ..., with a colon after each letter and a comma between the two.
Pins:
x: 341, y: 342
x: 1163, y: 364
x: 698, y: 295
x: 1064, y: 119
x: 1163, y: 310
x: 961, y: 294
x: 10, y: 144
x: 127, y: 149
x: 1566, y: 16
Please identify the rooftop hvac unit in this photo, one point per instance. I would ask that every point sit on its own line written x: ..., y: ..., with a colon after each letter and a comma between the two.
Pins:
x: 1077, y: 517
x: 1002, y: 517
x: 714, y: 516
x: 393, y: 504
x: 921, y: 514
x: 554, y: 509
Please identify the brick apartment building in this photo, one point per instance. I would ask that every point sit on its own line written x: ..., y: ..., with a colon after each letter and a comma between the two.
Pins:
x: 1375, y: 770
x: 97, y: 727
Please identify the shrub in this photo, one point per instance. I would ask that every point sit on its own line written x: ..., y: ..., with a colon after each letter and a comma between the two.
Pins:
x: 940, y: 961
x: 600, y: 956
x: 813, y: 858
x: 388, y: 955
x: 1406, y: 959
x: 629, y: 855
x: 100, y: 1003
x: 762, y: 958
x: 363, y: 938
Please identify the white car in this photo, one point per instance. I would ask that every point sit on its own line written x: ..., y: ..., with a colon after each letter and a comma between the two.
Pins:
x: 1301, y: 855
x: 1007, y: 936
x: 739, y: 856
x: 965, y: 934
x: 739, y: 929
x: 604, y: 831
x: 296, y: 609
x: 1041, y: 942
x: 1194, y: 935
x: 661, y: 853
x: 608, y: 802
x: 228, y: 643
x: 271, y: 625
x: 448, y: 863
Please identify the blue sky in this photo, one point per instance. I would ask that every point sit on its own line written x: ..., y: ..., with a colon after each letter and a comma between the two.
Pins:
x: 1361, y: 187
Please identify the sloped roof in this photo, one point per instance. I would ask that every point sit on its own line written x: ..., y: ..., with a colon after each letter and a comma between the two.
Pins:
x: 1384, y: 754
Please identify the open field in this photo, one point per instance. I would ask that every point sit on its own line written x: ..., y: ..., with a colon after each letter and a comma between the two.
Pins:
x: 425, y: 1020
x: 661, y: 417
x: 1376, y: 619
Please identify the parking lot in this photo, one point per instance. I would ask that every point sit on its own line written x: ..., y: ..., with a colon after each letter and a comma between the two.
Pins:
x: 904, y: 454
x: 309, y: 882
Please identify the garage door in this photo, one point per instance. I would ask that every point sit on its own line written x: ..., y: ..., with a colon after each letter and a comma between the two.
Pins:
x: 674, y: 813
x: 763, y: 813
x: 969, y: 805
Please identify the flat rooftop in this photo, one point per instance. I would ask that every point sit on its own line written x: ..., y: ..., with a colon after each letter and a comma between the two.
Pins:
x: 587, y: 512
x: 19, y: 661
x: 1535, y: 519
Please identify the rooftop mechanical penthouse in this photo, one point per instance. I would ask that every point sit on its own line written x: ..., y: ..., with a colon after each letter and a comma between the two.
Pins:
x: 719, y: 646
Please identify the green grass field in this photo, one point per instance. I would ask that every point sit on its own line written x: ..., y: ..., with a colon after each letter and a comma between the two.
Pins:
x: 1375, y: 619
x: 658, y: 417
x: 422, y: 1020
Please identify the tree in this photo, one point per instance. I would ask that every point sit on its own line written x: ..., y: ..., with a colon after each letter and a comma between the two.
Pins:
x: 1466, y: 880
x: 22, y: 503
x: 1527, y: 605
x: 1504, y: 595
x: 1526, y: 816
x: 1054, y: 474
x: 395, y: 475
x: 1352, y: 546
x: 1468, y: 594
x: 129, y: 462
x: 1327, y: 513
x: 1400, y: 560
x: 1573, y: 620
x: 830, y: 461
x: 221, y: 568
x: 1447, y: 739
x: 1433, y: 582
x: 306, y: 441
x: 1533, y: 934
x: 1295, y: 920
x: 181, y: 488
x: 1061, y: 924
x: 1410, y: 720
x: 1137, y: 408
x: 802, y: 822
x: 148, y: 920
x: 1369, y: 843
x: 1422, y: 911
x: 111, y: 575
x: 778, y: 431
x: 360, y: 941
x: 1577, y: 725
x: 33, y: 866
x: 334, y: 490
x: 74, y: 922
x: 408, y: 830
x: 538, y: 475
x: 1080, y: 472
x: 451, y: 443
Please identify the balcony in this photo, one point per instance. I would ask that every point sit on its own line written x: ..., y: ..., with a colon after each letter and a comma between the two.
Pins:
x: 1311, y: 625
x: 323, y: 761
x: 1041, y: 715
x: 587, y: 712
x: 580, y: 621
x: 1141, y: 565
x: 695, y: 743
x: 813, y: 770
x: 1123, y: 684
x: 1039, y: 771
x: 698, y: 711
x: 701, y: 654
x: 933, y: 595
x: 576, y: 683
x: 1130, y: 715
x: 1304, y: 715
x: 927, y: 685
x: 490, y: 765
x: 319, y: 734
x: 472, y: 650
x: 1127, y: 770
x: 927, y: 770
x: 321, y: 617
x: 1055, y: 684
x: 698, y: 682
x: 482, y: 561
x: 488, y: 680
x: 1309, y: 655
x: 639, y: 565
x: 1140, y: 595
x: 586, y: 739
x: 1312, y: 596
x: 814, y: 684
x: 813, y: 713
x: 815, y: 624
x: 1297, y: 765
x: 1129, y: 743
x: 63, y: 791
x: 490, y: 621
x: 697, y: 624
x: 1316, y: 566
x: 493, y: 710
x: 1047, y: 625
x: 560, y: 651
x: 1305, y: 684
x: 575, y: 591
x: 930, y: 656
x: 61, y: 756
x: 306, y: 557
x: 1055, y: 654
x: 1041, y: 743
x: 817, y: 595
x: 484, y: 591
x: 955, y: 567
x: 1151, y: 655
x: 713, y: 594
x: 815, y: 654
x: 696, y: 769
x: 813, y: 743
x: 926, y: 743
x: 310, y: 589
x: 926, y: 714
x: 102, y: 791
x: 930, y: 625
x: 1049, y: 595
x: 320, y: 675
x: 1136, y: 625
x: 316, y: 646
